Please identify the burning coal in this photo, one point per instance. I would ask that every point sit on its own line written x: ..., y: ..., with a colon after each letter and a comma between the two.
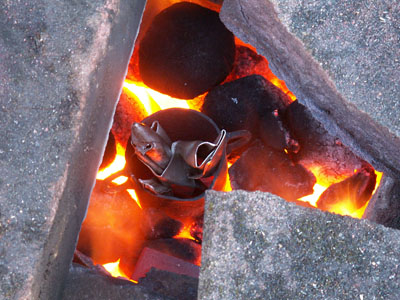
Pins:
x: 241, y: 129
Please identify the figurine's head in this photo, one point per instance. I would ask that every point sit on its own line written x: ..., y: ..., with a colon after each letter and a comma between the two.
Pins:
x: 152, y: 145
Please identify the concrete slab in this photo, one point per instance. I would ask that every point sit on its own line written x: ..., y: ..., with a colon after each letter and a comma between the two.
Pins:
x: 258, y: 246
x: 83, y: 283
x: 384, y: 206
x: 62, y: 64
x: 340, y: 58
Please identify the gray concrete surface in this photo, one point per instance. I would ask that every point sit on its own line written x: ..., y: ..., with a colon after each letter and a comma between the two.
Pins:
x: 258, y: 246
x: 384, y: 206
x: 85, y: 284
x: 340, y: 58
x: 61, y: 68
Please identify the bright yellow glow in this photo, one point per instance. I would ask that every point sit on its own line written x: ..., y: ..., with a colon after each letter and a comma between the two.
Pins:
x: 282, y: 86
x: 378, y: 180
x: 227, y: 187
x: 120, y: 180
x: 113, y: 268
x: 185, y: 234
x: 345, y: 208
x: 117, y: 165
x: 313, y: 198
x: 134, y: 196
x: 152, y: 100
x: 115, y: 271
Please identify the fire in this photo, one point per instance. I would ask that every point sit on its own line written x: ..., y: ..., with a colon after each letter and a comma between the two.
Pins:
x: 120, y: 234
x: 268, y: 74
x: 117, y: 165
x: 115, y: 271
x: 120, y: 180
x: 185, y: 233
x: 344, y: 208
x: 152, y: 100
x: 313, y: 198
x: 227, y: 187
x: 378, y: 180
x: 134, y: 196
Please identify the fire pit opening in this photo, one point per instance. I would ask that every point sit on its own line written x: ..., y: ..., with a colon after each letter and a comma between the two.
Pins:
x: 201, y: 110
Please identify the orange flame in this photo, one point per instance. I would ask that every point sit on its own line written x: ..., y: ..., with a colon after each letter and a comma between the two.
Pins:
x: 185, y: 233
x: 115, y: 271
x: 134, y: 196
x: 120, y: 180
x: 313, y: 198
x: 117, y: 165
x: 227, y: 187
x: 152, y: 100
x: 344, y: 208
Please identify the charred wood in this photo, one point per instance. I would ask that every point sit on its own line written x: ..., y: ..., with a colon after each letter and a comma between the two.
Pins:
x: 254, y: 104
x: 157, y: 225
x: 128, y: 111
x: 196, y: 229
x: 151, y: 258
x: 84, y: 283
x: 353, y: 192
x: 185, y: 249
x: 264, y: 169
x: 330, y: 160
x: 248, y: 62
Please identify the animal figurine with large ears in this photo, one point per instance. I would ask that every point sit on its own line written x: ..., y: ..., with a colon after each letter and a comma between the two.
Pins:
x: 179, y: 163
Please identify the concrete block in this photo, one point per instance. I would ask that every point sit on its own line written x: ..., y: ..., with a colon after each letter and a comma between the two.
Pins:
x: 340, y: 58
x: 62, y: 64
x: 259, y: 246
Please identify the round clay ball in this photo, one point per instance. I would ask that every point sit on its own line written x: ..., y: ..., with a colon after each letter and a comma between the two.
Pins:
x: 186, y: 51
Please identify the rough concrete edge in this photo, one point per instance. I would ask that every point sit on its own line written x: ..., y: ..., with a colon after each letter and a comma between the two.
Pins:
x: 384, y: 206
x: 378, y: 146
x: 101, y: 100
x: 80, y: 280
x: 213, y: 197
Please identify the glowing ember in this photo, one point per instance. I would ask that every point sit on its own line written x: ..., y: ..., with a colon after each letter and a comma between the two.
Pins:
x: 281, y: 84
x: 313, y: 198
x: 378, y: 180
x: 115, y: 271
x: 134, y: 196
x: 152, y: 100
x: 120, y: 234
x: 185, y: 233
x: 117, y: 165
x: 227, y: 187
x: 345, y: 207
x: 120, y: 180
x: 347, y: 211
x: 268, y: 74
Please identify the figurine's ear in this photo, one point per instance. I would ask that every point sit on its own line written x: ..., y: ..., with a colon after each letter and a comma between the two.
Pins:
x: 156, y: 127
